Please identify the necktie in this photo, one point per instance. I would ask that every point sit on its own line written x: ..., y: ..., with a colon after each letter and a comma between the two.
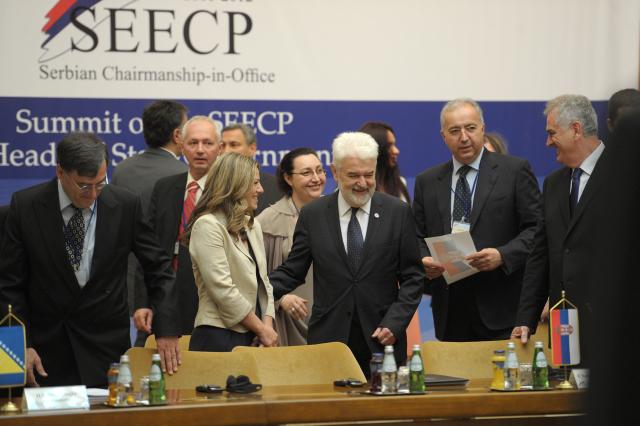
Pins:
x: 575, y: 189
x: 74, y: 238
x: 355, y: 242
x: 462, y: 201
x: 187, y: 210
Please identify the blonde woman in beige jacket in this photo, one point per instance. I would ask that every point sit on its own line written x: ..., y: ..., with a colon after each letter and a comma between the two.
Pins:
x: 235, y: 305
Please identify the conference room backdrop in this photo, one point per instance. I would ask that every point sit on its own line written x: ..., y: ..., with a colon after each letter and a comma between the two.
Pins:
x: 301, y: 72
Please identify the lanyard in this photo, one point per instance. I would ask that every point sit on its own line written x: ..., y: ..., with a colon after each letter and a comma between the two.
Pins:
x: 467, y: 207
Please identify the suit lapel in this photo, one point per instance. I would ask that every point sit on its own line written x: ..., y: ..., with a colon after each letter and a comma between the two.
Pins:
x: 333, y: 219
x: 487, y: 177
x: 375, y: 216
x: 51, y: 224
x: 443, y: 195
x: 592, y: 187
x: 176, y: 197
x: 562, y: 196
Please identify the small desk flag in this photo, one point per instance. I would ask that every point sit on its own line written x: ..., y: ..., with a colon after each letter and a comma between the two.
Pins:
x: 13, y: 355
x: 565, y: 334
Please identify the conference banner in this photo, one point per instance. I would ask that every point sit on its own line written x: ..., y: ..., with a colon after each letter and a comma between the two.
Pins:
x: 302, y: 71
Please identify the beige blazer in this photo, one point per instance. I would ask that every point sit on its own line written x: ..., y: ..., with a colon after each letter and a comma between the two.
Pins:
x: 225, y: 274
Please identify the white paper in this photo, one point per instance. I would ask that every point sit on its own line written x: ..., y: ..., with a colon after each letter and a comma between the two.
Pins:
x: 55, y: 398
x: 450, y: 250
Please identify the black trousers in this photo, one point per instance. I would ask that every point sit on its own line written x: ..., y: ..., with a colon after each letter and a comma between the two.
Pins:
x: 207, y: 338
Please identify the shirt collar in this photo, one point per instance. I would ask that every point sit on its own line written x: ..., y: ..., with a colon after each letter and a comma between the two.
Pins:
x: 344, y: 207
x: 200, y: 181
x: 475, y: 164
x: 64, y: 199
x: 170, y: 152
x: 589, y: 163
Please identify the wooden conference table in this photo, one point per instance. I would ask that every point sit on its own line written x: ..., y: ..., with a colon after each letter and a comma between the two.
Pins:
x: 324, y: 403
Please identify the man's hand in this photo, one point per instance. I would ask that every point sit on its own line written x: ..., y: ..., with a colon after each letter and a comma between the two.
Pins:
x: 169, y: 353
x: 432, y: 268
x: 521, y: 332
x: 384, y: 336
x: 294, y: 306
x: 485, y: 260
x: 544, y: 316
x: 267, y: 336
x: 33, y: 360
x: 143, y: 318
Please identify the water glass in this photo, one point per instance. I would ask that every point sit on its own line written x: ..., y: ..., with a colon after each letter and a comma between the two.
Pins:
x: 403, y: 379
x: 526, y: 375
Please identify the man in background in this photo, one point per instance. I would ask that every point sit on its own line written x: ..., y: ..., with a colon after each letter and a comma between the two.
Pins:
x: 493, y: 196
x: 241, y: 138
x: 172, y: 202
x: 161, y: 121
x: 621, y: 103
x: 63, y: 268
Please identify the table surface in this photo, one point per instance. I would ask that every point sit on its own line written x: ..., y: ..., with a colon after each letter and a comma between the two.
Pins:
x: 316, y: 403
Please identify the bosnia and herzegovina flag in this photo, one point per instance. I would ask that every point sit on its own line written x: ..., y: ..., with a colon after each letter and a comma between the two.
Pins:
x: 13, y: 354
x: 565, y: 337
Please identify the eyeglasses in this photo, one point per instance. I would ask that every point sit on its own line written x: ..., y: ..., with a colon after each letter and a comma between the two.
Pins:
x: 87, y: 187
x: 308, y: 172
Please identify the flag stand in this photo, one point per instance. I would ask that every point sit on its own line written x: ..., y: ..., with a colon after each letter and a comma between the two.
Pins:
x: 565, y: 384
x: 9, y: 406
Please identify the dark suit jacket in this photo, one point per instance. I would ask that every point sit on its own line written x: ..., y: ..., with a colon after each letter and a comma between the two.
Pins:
x: 391, y: 257
x: 271, y: 192
x: 164, y: 215
x: 504, y: 216
x: 564, y: 250
x: 67, y: 324
x: 4, y: 212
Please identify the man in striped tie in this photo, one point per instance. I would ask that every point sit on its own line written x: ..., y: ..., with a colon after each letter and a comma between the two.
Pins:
x: 564, y: 243
x: 172, y: 202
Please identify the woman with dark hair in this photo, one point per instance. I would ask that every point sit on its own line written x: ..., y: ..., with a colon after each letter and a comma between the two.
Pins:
x: 388, y: 179
x: 235, y: 306
x: 301, y: 178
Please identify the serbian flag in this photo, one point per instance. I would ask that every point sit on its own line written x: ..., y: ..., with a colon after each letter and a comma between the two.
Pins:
x: 12, y: 356
x: 565, y: 337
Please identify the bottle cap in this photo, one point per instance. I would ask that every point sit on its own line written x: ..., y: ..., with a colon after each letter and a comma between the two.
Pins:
x: 499, y: 352
x: 124, y: 358
x: 539, y: 345
x: 416, y: 347
x: 155, y: 357
x: 388, y: 349
x: 511, y: 345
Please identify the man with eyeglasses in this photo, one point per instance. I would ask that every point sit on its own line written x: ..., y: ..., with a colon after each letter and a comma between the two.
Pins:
x: 495, y: 198
x: 63, y: 269
x: 367, y: 275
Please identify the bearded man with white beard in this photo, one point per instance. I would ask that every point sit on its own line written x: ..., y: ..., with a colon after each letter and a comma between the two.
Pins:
x: 367, y: 273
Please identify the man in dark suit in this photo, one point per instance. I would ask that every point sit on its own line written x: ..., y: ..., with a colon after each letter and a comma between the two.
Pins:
x: 172, y: 201
x: 241, y: 138
x: 4, y: 212
x: 63, y: 268
x: 562, y: 258
x: 162, y: 121
x: 367, y: 276
x: 496, y: 198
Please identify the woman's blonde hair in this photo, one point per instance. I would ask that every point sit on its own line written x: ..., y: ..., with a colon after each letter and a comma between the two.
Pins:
x: 229, y: 180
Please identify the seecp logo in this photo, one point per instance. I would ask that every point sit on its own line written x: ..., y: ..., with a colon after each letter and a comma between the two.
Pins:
x: 74, y: 26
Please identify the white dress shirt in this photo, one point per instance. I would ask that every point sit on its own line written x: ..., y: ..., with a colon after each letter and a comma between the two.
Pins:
x: 587, y: 167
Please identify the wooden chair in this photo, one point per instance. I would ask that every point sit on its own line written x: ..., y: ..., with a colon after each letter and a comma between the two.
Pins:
x: 183, y: 343
x: 472, y: 360
x: 302, y: 365
x: 198, y: 368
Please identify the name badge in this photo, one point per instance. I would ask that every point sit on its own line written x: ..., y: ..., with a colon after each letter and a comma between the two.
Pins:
x: 460, y: 227
x: 55, y: 398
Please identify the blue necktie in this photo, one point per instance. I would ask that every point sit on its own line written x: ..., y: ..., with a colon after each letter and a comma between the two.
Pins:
x: 74, y: 238
x: 355, y: 242
x: 575, y: 189
x: 462, y: 200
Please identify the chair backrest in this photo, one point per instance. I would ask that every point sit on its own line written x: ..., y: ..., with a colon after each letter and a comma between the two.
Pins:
x: 183, y: 343
x: 302, y: 365
x: 197, y: 368
x: 472, y: 360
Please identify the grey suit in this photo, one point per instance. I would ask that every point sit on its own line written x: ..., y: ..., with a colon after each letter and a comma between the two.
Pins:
x: 139, y: 174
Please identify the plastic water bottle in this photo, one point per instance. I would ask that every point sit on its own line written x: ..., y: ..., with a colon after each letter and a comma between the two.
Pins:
x: 511, y: 368
x: 540, y: 368
x: 125, y: 383
x: 389, y: 371
x: 416, y: 369
x: 157, y: 394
